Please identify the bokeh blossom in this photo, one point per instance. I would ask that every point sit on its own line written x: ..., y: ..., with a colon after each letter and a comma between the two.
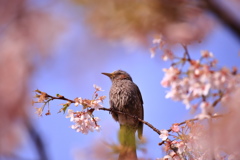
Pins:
x: 175, y: 128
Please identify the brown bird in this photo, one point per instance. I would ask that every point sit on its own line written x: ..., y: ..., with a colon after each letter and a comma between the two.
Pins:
x: 125, y: 96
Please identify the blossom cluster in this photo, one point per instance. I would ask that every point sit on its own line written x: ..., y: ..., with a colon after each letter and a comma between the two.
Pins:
x: 199, y: 83
x: 83, y: 120
x: 191, y: 140
x: 187, y: 141
x: 95, y: 103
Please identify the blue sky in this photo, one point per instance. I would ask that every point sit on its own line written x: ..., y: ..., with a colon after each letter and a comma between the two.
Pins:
x: 76, y: 64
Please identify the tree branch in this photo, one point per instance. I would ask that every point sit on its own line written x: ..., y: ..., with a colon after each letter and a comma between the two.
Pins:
x: 60, y: 97
x: 224, y: 16
x: 186, y: 53
x: 36, y: 139
x: 139, y: 119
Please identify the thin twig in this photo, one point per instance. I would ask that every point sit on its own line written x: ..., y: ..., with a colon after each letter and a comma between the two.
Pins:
x: 218, y: 100
x: 186, y: 53
x: 37, y: 140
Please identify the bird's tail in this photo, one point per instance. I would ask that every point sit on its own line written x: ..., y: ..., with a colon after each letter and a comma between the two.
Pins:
x: 128, y: 143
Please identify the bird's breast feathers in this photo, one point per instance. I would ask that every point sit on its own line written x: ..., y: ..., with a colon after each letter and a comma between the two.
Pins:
x: 124, y: 93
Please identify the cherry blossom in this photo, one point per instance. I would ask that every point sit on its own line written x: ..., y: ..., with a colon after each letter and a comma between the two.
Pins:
x: 164, y: 134
x: 153, y: 51
x: 97, y: 88
x: 181, y: 147
x: 167, y: 55
x: 206, y: 54
x: 78, y: 101
x: 167, y: 157
x: 39, y: 111
x: 95, y: 104
x: 86, y: 103
x: 197, y: 81
x: 207, y: 111
x: 70, y: 115
x: 171, y: 75
x: 84, y: 122
x: 159, y: 41
x: 175, y: 128
x: 198, y: 84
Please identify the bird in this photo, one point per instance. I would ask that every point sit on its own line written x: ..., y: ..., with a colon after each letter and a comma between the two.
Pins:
x: 125, y: 96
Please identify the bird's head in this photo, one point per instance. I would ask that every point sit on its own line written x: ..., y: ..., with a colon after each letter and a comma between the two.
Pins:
x: 118, y: 75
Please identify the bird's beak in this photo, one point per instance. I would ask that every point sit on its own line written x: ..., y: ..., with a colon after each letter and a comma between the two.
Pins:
x: 108, y: 74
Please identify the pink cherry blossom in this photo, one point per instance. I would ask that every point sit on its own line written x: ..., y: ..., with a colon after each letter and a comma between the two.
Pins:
x: 159, y: 41
x: 167, y: 157
x: 78, y: 101
x: 197, y: 81
x: 84, y: 122
x: 171, y: 75
x: 206, y: 54
x: 70, y: 114
x: 39, y: 111
x: 164, y: 134
x: 97, y: 88
x: 153, y: 51
x: 95, y: 104
x: 167, y: 55
x: 175, y: 128
x: 181, y: 147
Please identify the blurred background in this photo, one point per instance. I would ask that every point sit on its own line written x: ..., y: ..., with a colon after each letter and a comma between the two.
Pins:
x: 63, y: 46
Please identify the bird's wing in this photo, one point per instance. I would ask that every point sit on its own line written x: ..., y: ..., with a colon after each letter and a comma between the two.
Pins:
x: 140, y: 128
x: 114, y: 114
